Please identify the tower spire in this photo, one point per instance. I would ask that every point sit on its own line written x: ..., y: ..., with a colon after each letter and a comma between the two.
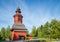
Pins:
x: 18, y: 10
x: 18, y: 17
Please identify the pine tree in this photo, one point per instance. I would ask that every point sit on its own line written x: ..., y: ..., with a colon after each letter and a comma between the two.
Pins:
x: 8, y: 33
x: 33, y: 32
x: 3, y: 33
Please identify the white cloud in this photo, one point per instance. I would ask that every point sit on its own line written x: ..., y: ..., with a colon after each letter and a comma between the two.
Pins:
x: 36, y: 17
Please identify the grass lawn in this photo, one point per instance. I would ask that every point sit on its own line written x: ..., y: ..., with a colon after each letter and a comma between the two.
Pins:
x: 47, y: 39
x: 1, y: 41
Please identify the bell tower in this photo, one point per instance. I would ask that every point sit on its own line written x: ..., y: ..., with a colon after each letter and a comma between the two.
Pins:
x: 18, y: 17
x: 18, y: 29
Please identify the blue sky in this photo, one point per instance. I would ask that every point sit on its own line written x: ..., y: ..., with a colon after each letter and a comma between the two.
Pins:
x: 35, y: 12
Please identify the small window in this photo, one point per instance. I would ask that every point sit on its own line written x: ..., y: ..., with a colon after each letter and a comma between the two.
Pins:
x: 19, y: 18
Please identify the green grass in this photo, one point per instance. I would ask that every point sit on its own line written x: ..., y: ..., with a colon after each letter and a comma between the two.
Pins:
x: 46, y: 39
x: 1, y: 41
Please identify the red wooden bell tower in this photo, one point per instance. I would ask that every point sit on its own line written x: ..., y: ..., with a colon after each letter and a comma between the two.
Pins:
x: 18, y: 29
x: 18, y: 17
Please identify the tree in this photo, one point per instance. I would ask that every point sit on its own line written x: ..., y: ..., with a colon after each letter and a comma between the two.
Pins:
x: 3, y: 33
x: 47, y: 29
x: 27, y: 32
x: 51, y: 29
x: 33, y: 32
x: 0, y: 36
x: 40, y: 31
x: 8, y: 33
x: 55, y: 28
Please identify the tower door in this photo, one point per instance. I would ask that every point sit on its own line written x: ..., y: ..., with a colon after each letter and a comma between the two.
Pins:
x: 21, y: 37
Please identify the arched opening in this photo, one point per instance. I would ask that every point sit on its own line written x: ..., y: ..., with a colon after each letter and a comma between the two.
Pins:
x: 21, y: 37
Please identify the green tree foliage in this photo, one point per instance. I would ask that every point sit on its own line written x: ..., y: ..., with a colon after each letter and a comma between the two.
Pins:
x: 49, y: 29
x: 33, y: 32
x: 40, y: 31
x: 55, y: 28
x: 8, y: 33
x: 3, y: 33
x: 27, y: 32
x: 46, y: 29
x: 0, y: 36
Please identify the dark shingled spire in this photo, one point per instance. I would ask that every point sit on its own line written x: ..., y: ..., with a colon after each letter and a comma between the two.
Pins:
x: 18, y: 10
